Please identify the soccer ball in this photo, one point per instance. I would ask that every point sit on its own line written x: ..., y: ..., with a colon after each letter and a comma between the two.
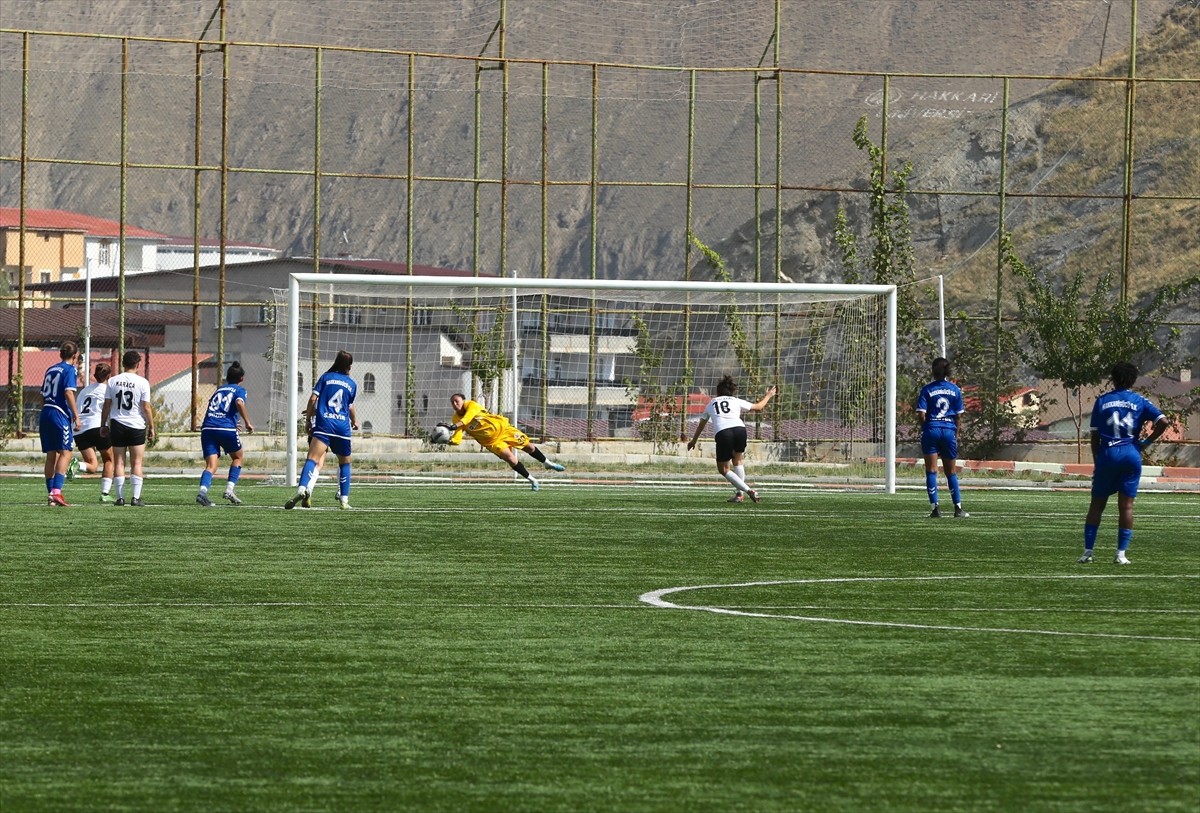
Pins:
x: 440, y: 434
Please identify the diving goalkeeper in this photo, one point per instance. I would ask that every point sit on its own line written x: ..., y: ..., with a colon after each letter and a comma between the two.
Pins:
x: 494, y: 433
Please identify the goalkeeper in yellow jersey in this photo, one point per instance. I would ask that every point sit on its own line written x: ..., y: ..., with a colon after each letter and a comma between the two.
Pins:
x: 494, y: 433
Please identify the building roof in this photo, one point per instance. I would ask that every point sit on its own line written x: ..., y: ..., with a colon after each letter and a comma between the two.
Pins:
x: 59, y: 220
x: 339, y: 265
x: 49, y: 327
x: 157, y: 367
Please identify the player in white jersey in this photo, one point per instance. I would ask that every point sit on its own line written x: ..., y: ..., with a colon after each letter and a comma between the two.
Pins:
x: 94, y: 446
x: 129, y: 421
x: 729, y: 430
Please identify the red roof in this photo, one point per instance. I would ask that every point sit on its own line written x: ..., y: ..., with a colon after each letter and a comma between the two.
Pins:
x: 59, y: 220
x: 160, y: 367
x: 696, y: 402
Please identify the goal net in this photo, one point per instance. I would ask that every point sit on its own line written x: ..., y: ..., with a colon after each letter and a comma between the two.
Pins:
x: 606, y: 365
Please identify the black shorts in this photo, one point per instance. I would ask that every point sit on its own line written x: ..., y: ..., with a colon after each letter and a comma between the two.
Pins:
x: 123, y: 436
x: 729, y: 441
x: 93, y: 439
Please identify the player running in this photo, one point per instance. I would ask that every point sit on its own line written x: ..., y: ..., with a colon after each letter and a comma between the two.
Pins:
x: 94, y: 446
x: 59, y: 420
x: 729, y: 430
x: 219, y: 433
x: 1117, y: 420
x: 329, y: 419
x: 939, y: 406
x: 494, y: 433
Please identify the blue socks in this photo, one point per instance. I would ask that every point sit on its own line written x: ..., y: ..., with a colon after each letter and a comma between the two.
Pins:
x: 234, y: 473
x: 931, y: 486
x: 1089, y: 536
x: 344, y: 480
x: 205, y: 480
x: 306, y: 474
x: 952, y: 480
x: 1124, y: 537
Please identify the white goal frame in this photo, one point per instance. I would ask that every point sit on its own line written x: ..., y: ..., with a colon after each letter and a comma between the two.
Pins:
x: 501, y: 284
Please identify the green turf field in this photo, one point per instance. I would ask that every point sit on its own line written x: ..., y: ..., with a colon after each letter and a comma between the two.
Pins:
x: 476, y: 647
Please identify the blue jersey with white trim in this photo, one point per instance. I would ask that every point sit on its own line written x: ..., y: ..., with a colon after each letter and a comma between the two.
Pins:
x: 942, y: 403
x: 222, y: 407
x: 1117, y: 417
x: 58, y: 380
x: 335, y: 393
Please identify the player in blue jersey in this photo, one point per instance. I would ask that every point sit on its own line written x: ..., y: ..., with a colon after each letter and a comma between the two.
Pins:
x: 939, y: 406
x: 59, y: 420
x: 329, y: 419
x: 1117, y: 420
x: 219, y: 433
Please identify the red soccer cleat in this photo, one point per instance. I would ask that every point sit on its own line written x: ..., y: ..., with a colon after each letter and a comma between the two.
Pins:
x: 57, y: 499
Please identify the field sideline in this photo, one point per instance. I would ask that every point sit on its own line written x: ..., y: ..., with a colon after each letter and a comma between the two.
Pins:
x: 479, y: 647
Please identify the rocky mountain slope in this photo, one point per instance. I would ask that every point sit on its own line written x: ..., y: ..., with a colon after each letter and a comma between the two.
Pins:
x: 949, y: 128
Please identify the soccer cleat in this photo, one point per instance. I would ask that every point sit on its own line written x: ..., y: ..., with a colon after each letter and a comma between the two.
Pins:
x: 534, y: 484
x: 57, y: 499
x: 550, y: 464
x: 233, y: 498
x: 202, y: 499
x: 1120, y: 559
x: 1086, y: 559
x: 739, y: 497
x: 120, y: 501
x: 306, y: 500
x: 754, y: 496
x: 296, y: 500
x: 344, y: 504
x: 960, y: 514
x: 137, y: 502
x: 72, y: 469
x: 935, y: 513
x: 105, y: 498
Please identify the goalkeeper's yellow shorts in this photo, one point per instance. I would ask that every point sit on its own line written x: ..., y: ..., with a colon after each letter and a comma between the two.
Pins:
x: 495, y: 433
x: 500, y: 438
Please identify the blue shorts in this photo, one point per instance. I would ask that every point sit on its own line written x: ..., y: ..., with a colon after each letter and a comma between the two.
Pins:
x: 216, y: 441
x: 56, y: 432
x: 1118, y: 469
x: 940, y: 440
x: 338, y: 445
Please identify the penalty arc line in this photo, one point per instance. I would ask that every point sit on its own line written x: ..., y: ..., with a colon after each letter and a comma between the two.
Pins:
x: 655, y: 598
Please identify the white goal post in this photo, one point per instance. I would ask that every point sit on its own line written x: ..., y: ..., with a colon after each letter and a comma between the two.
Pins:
x: 597, y: 360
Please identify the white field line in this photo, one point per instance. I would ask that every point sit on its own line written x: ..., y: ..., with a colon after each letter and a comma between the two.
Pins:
x: 656, y: 598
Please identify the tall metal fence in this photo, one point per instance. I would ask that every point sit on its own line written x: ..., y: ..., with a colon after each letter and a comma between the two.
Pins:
x: 515, y: 156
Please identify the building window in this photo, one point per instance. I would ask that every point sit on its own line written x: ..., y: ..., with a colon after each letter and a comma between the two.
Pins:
x: 368, y: 382
x: 366, y: 427
x: 424, y: 403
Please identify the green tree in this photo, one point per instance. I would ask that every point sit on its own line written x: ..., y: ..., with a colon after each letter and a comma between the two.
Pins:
x: 665, y: 408
x: 1074, y: 337
x: 890, y: 261
x: 986, y: 355
x: 489, y: 353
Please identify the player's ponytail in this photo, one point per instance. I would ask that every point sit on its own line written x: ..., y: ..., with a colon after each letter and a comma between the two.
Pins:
x: 341, y: 364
